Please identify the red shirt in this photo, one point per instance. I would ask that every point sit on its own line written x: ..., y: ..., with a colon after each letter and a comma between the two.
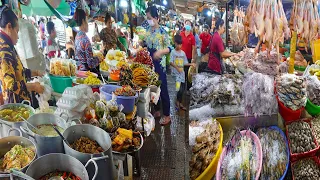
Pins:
x: 52, y: 48
x: 187, y: 43
x: 205, y: 38
x: 216, y: 48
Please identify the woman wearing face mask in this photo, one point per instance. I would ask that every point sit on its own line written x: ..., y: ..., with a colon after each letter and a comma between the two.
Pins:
x: 109, y: 37
x: 216, y: 49
x: 83, y: 49
x: 158, y: 44
x: 189, y: 47
x: 13, y: 75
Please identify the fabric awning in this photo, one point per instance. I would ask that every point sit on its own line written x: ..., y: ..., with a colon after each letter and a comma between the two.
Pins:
x: 39, y: 7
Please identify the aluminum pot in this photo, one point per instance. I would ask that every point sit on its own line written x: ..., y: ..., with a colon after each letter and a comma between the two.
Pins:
x: 46, y: 145
x: 75, y: 132
x: 62, y: 162
x: 7, y: 143
x: 6, y: 125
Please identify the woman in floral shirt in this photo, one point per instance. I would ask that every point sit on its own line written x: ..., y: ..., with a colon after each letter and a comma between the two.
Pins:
x: 83, y: 48
x: 13, y: 75
x: 158, y: 43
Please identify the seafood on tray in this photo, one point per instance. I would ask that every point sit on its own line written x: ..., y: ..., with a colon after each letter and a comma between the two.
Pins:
x: 205, y: 149
x: 18, y: 157
x: 291, y: 90
x: 275, y: 153
x: 306, y: 169
x: 258, y: 94
x: 313, y: 89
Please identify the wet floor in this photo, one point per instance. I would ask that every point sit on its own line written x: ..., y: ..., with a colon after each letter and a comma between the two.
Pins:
x: 163, y: 156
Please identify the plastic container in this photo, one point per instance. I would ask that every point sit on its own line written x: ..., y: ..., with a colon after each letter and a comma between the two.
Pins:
x: 288, y: 151
x: 256, y: 140
x: 128, y: 102
x: 297, y: 156
x: 312, y: 109
x: 210, y: 171
x: 59, y: 84
x: 288, y: 114
x: 315, y: 159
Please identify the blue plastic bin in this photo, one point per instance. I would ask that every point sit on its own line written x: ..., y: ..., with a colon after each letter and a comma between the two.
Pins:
x: 128, y: 102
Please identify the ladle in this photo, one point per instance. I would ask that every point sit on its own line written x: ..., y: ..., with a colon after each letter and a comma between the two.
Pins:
x: 28, y: 122
x: 62, y: 137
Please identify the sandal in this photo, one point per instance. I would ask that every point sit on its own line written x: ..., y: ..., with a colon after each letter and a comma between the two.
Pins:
x: 165, y: 121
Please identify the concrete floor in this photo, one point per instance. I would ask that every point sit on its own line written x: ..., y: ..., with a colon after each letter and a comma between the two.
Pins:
x: 164, y: 154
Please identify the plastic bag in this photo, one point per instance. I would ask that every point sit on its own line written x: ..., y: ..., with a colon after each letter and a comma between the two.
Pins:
x: 45, y: 96
x: 148, y: 123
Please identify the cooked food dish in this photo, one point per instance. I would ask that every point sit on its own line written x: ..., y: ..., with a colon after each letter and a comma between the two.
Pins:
x: 18, y: 157
x: 47, y: 130
x: 63, y: 174
x: 86, y: 145
x: 125, y: 140
x: 13, y: 113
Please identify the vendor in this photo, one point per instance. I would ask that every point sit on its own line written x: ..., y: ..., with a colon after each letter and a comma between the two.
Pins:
x: 83, y: 49
x: 13, y: 75
x: 216, y: 49
x: 109, y: 36
x: 158, y: 43
x: 52, y: 46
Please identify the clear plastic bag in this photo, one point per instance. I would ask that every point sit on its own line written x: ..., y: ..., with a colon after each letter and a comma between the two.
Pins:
x: 148, y: 123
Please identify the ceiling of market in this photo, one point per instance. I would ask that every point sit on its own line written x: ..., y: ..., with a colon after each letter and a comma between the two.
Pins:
x: 190, y: 6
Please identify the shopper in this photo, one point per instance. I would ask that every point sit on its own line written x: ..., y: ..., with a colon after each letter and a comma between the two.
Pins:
x: 52, y: 46
x: 157, y: 42
x: 109, y: 36
x: 83, y: 48
x: 178, y: 61
x: 122, y: 39
x: 13, y: 75
x: 189, y: 47
x: 42, y: 36
x: 198, y: 41
x: 217, y: 51
x: 205, y: 37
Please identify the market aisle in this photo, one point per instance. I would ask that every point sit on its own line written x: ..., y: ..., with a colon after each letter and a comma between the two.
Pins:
x: 163, y: 155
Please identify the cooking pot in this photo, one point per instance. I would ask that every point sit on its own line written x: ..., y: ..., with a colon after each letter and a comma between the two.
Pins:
x: 7, y: 143
x: 46, y: 145
x: 97, y: 134
x: 62, y: 162
x: 6, y: 125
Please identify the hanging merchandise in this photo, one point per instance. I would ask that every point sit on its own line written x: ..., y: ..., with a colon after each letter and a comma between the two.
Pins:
x: 238, y: 35
x: 267, y: 20
x: 305, y: 20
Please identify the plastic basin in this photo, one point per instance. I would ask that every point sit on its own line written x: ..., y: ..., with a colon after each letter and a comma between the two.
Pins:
x: 59, y: 84
x: 312, y: 109
x: 256, y: 140
x: 288, y: 114
x: 210, y: 171
x: 128, y: 102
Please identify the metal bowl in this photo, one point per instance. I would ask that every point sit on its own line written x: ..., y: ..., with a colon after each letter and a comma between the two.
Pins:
x: 5, y: 125
x: 135, y: 150
x: 8, y: 142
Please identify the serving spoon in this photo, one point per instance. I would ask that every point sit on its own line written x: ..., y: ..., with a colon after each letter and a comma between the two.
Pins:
x: 62, y: 137
x: 28, y: 122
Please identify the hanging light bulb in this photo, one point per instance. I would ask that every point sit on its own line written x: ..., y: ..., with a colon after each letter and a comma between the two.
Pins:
x: 123, y: 3
x: 165, y: 2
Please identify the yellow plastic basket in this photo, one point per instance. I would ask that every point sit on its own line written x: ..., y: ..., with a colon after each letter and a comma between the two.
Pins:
x: 208, y: 173
x: 316, y: 50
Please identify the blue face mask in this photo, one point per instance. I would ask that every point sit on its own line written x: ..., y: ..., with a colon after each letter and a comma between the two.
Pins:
x: 188, y: 27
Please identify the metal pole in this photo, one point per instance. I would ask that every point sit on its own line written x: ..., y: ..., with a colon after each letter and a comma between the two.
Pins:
x: 130, y: 19
x: 116, y: 6
x: 227, y: 25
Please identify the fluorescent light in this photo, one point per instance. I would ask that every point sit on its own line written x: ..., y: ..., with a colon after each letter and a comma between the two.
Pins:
x: 209, y: 13
x: 123, y: 3
x: 165, y: 2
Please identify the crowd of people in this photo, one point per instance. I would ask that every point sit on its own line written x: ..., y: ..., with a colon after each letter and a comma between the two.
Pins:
x: 183, y: 53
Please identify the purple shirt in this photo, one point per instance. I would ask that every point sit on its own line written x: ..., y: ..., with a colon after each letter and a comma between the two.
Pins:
x: 83, y: 53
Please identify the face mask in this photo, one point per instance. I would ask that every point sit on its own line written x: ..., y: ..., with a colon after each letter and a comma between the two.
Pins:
x: 150, y: 22
x: 188, y: 27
